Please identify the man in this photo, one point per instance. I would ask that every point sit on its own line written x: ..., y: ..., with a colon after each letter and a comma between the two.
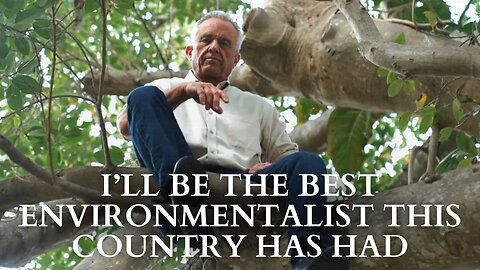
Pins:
x: 226, y: 129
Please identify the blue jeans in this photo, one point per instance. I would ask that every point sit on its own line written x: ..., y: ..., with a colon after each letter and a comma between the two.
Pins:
x: 159, y: 143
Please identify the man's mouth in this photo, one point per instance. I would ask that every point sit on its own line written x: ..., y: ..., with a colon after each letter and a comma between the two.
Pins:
x: 212, y: 59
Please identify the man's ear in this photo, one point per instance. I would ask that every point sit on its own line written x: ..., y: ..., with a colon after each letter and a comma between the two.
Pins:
x: 188, y: 52
x: 236, y: 58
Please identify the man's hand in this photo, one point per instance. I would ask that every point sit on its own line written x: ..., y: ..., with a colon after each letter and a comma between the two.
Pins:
x: 258, y: 167
x: 206, y: 94
x: 122, y: 124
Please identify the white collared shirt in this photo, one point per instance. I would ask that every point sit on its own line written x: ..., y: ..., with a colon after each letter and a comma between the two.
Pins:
x: 248, y: 131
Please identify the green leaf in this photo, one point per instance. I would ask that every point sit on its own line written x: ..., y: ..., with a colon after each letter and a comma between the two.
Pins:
x: 123, y: 6
x: 13, y: 5
x: 26, y: 17
x: 91, y: 6
x: 391, y: 77
x: 457, y: 110
x: 4, y: 50
x: 382, y: 73
x: 42, y: 28
x: 401, y: 39
x: 15, y: 98
x: 29, y: 66
x: 409, y: 87
x: 23, y: 46
x: 466, y: 143
x: 395, y: 87
x: 69, y: 129
x: 348, y: 133
x: 36, y: 132
x: 445, y: 134
x: 304, y: 109
x: 26, y: 84
x: 464, y: 163
x: 43, y: 3
x: 86, y: 244
x: 403, y: 120
x: 450, y: 161
x: 432, y: 18
x: 116, y: 155
x: 9, y: 63
x: 468, y: 28
x: 428, y: 114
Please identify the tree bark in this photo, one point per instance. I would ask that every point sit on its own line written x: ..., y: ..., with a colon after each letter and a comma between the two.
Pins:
x: 19, y: 245
x: 123, y: 261
x: 307, y: 48
x: 119, y: 82
x: 404, y: 59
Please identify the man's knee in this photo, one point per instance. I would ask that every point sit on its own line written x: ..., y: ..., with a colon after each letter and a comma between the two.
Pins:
x: 145, y: 94
x: 309, y: 161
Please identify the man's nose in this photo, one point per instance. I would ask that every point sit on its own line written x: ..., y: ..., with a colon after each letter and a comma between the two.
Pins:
x: 214, y: 46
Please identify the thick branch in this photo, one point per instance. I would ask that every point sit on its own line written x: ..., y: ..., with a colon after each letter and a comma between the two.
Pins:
x: 317, y: 57
x: 406, y: 59
x: 433, y: 247
x: 122, y: 82
x: 312, y: 136
x: 123, y: 261
x: 63, y: 185
x: 26, y: 189
x: 22, y: 189
x: 19, y: 245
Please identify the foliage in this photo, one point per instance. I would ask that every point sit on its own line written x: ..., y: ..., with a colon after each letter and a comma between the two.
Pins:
x: 35, y: 34
x: 348, y: 131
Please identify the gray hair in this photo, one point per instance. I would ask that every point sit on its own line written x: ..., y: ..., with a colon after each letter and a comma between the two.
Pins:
x: 217, y: 14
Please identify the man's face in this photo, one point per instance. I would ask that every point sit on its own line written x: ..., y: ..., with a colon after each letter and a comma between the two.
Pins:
x: 213, y: 55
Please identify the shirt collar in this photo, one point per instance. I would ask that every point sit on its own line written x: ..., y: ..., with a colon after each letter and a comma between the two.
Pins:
x: 191, y: 77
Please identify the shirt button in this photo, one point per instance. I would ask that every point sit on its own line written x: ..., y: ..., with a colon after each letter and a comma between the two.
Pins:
x: 210, y: 113
x: 211, y: 131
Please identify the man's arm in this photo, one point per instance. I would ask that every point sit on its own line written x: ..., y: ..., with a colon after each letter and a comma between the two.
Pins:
x: 276, y: 144
x: 204, y: 93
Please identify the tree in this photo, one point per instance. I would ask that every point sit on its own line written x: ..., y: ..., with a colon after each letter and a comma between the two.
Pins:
x: 57, y: 54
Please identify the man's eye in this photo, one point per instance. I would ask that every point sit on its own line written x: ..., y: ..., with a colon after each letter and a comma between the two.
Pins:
x: 206, y: 40
x: 225, y: 43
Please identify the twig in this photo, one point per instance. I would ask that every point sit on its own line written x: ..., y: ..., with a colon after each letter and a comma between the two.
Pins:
x: 464, y: 12
x: 429, y: 175
x: 421, y: 26
x: 98, y: 104
x: 159, y: 52
x: 23, y: 161
x: 61, y: 184
x: 46, y: 98
x: 413, y: 13
x: 411, y: 164
x: 50, y: 94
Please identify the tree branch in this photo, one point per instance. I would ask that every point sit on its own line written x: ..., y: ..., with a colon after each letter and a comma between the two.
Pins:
x: 464, y: 12
x: 407, y: 60
x: 65, y: 186
x: 312, y: 136
x: 122, y: 82
x: 20, y: 245
x: 123, y: 261
x: 98, y: 103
